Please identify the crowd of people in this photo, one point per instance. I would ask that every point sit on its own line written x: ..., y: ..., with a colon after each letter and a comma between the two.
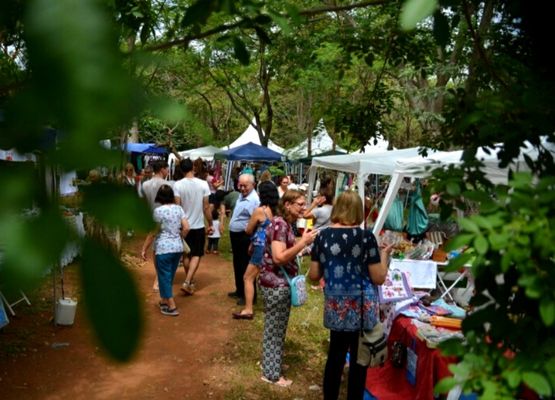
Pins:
x: 263, y: 215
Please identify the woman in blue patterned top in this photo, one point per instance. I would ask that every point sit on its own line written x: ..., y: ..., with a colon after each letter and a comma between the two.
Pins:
x: 168, y: 245
x: 347, y: 257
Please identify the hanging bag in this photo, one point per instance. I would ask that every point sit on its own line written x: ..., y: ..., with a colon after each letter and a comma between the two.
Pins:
x: 372, y: 344
x: 394, y: 219
x: 297, y: 286
x: 418, y: 219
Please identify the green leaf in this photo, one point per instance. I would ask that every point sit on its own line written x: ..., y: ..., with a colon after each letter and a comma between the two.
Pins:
x: 547, y: 310
x: 111, y: 301
x: 459, y: 261
x: 482, y: 222
x: 469, y: 225
x: 453, y: 188
x: 481, y: 244
x: 550, y: 369
x: 117, y: 206
x: 498, y: 240
x: 414, y: 11
x: 537, y: 382
x: 459, y: 241
x: 445, y: 385
x: 31, y: 246
x: 197, y: 13
x: 241, y: 52
x: 513, y: 377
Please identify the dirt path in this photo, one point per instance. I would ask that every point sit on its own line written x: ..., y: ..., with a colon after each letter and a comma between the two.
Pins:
x: 179, y: 357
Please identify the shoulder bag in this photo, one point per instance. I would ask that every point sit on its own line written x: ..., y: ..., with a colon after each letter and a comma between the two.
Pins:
x: 297, y: 286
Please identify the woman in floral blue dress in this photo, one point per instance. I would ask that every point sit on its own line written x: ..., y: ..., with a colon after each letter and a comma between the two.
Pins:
x: 168, y: 245
x: 347, y: 257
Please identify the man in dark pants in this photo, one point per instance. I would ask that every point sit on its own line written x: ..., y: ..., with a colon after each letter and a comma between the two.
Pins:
x: 246, y: 204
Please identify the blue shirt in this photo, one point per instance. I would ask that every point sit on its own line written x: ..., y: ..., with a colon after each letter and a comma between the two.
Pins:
x: 344, y: 255
x: 242, y: 212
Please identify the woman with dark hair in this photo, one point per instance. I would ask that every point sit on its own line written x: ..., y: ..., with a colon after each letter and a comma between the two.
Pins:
x: 283, y: 183
x: 280, y: 253
x: 320, y: 209
x: 168, y: 245
x: 259, y: 221
x: 351, y: 263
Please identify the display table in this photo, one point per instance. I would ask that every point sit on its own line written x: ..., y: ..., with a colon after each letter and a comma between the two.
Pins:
x: 390, y: 383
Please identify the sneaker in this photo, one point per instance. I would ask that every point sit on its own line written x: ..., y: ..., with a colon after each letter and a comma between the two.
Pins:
x: 172, y: 312
x: 162, y: 305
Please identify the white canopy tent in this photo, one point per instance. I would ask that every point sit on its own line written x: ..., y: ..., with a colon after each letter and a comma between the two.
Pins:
x: 381, y: 163
x: 251, y: 135
x: 321, y: 143
x: 205, y: 152
x: 371, y: 147
x: 420, y: 167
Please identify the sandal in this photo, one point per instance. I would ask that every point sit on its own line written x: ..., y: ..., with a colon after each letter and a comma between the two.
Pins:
x: 239, y: 315
x: 281, y: 382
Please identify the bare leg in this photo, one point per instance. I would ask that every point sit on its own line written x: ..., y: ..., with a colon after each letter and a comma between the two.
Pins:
x: 194, y: 262
x: 249, y: 278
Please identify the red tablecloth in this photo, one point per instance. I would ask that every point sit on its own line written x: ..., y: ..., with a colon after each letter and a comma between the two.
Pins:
x: 390, y: 383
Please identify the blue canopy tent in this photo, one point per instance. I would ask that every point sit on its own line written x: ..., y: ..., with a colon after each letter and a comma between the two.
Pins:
x: 246, y: 152
x: 249, y: 152
x: 146, y: 148
x: 138, y: 150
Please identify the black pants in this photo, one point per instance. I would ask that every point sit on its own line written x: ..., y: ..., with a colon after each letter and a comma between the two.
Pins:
x: 340, y: 343
x: 240, y: 247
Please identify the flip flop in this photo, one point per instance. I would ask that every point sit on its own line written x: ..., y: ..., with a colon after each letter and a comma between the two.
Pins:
x: 281, y: 382
x: 238, y: 315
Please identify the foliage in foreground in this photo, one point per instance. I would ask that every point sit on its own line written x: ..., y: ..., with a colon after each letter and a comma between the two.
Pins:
x: 510, y: 334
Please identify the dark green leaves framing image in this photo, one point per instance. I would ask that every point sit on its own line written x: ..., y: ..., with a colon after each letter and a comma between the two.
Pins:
x: 111, y: 301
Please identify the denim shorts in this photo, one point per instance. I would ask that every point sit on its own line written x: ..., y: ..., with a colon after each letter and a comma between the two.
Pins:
x: 257, y: 254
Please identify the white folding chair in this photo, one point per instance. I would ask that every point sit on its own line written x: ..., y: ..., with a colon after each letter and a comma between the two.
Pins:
x: 12, y: 304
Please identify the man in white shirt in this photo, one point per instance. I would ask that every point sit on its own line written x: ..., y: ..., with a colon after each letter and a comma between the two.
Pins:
x: 192, y: 193
x: 245, y: 206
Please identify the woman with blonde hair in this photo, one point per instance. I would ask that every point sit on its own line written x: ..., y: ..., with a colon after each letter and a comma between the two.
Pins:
x: 280, y: 252
x: 352, y: 264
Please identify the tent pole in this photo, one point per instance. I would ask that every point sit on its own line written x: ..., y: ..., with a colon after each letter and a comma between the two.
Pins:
x: 392, y: 190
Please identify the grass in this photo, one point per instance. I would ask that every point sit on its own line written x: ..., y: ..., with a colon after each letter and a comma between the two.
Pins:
x: 305, y: 352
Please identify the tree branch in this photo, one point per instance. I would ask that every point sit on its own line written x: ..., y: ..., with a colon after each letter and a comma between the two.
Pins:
x: 227, y: 27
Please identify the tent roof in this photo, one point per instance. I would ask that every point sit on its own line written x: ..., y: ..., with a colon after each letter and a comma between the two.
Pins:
x: 321, y: 143
x: 249, y: 152
x: 251, y: 135
x: 383, y: 163
x: 336, y: 152
x: 421, y: 167
x: 380, y: 145
x: 205, y: 152
x: 144, y: 148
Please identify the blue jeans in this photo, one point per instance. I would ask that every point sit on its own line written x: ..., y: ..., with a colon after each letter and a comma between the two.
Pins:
x: 166, y: 265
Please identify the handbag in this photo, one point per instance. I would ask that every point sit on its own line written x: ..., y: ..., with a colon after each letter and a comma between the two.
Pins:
x: 372, y: 344
x: 372, y: 347
x: 186, y: 248
x: 297, y: 286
